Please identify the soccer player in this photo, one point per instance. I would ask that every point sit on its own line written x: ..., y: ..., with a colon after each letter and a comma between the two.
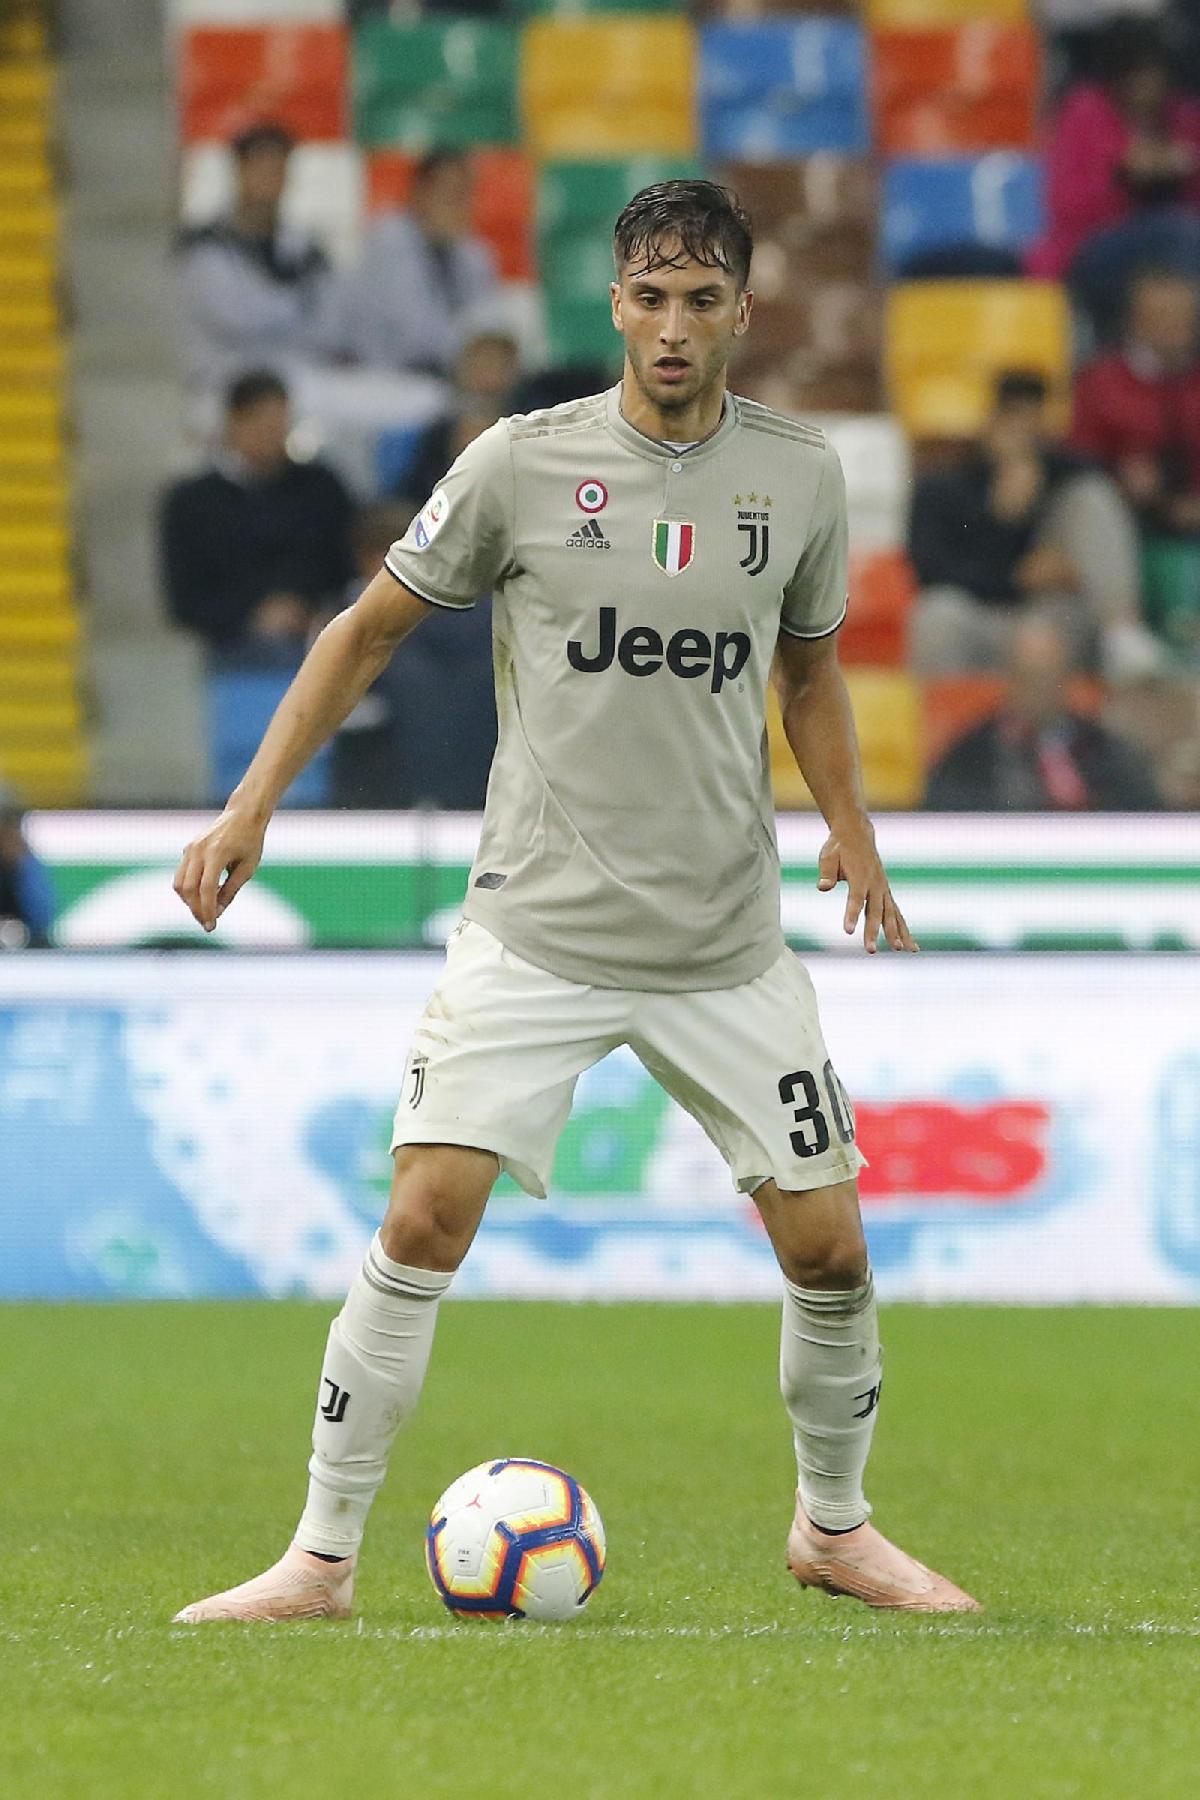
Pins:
x: 655, y: 552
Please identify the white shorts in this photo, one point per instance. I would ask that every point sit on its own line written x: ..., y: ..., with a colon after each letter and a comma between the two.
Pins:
x: 501, y: 1044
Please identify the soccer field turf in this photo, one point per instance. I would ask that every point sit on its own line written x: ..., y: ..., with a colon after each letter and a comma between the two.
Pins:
x: 1047, y: 1460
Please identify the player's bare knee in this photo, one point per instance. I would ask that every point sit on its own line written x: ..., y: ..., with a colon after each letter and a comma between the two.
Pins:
x: 437, y: 1200
x: 836, y: 1262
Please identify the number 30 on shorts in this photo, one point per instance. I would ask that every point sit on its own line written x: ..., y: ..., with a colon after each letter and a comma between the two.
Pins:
x: 812, y: 1137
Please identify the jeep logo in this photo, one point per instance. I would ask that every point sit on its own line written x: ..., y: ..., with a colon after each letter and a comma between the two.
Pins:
x: 641, y: 651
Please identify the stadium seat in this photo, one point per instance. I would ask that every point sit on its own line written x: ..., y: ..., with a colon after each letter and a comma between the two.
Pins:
x: 950, y: 706
x: 577, y: 205
x: 887, y: 712
x: 992, y: 201
x: 882, y: 591
x: 908, y: 15
x: 323, y: 198
x: 813, y: 216
x: 607, y: 87
x: 230, y: 77
x: 240, y: 706
x: 257, y: 12
x: 875, y: 459
x: 942, y: 92
x: 946, y: 341
x: 772, y: 89
x: 503, y: 202
x: 435, y: 82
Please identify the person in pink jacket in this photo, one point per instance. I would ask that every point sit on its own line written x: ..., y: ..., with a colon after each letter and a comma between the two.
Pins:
x: 1122, y: 176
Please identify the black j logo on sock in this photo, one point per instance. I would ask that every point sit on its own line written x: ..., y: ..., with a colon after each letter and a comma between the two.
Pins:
x: 334, y: 1409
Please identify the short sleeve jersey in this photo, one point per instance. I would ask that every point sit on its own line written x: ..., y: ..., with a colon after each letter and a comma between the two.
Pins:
x: 628, y: 837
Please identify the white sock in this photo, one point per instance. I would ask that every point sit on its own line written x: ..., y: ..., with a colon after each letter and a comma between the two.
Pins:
x: 375, y: 1361
x: 830, y: 1373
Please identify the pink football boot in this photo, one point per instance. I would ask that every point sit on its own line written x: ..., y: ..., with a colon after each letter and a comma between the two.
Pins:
x: 298, y: 1586
x: 864, y: 1565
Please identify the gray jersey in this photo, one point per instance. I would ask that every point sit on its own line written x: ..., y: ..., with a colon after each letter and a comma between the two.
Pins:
x: 628, y: 839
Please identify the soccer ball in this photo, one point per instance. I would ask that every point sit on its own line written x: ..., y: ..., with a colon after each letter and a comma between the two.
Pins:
x: 515, y: 1539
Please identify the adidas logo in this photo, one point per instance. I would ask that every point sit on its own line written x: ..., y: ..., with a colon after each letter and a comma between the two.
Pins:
x: 588, y: 536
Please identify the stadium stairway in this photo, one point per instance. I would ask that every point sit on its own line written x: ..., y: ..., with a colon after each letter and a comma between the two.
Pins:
x: 41, y: 732
x: 119, y: 152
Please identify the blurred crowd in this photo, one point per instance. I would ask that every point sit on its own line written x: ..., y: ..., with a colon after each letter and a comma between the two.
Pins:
x: 1058, y: 549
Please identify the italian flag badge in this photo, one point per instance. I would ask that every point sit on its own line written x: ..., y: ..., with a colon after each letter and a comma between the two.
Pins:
x: 674, y: 545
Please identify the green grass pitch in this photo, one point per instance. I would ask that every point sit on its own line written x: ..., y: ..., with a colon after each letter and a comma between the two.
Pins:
x: 1047, y: 1460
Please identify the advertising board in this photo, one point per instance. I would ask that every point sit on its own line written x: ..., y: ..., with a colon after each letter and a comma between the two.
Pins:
x: 396, y: 880
x: 194, y: 1124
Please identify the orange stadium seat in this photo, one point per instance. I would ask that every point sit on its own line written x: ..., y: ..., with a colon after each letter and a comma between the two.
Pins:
x: 295, y: 74
x: 503, y: 207
x: 882, y: 591
x: 946, y: 341
x: 599, y: 88
x: 942, y: 92
x: 952, y: 704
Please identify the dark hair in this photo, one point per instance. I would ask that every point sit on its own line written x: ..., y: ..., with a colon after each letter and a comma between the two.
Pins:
x: 1015, y: 387
x: 251, y: 387
x: 697, y: 220
x: 267, y: 134
x: 1126, y: 46
x: 434, y: 161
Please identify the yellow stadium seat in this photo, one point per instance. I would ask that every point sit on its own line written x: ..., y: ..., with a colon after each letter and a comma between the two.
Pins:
x: 919, y: 15
x: 36, y: 633
x: 36, y: 363
x: 28, y: 317
x: 30, y: 411
x: 27, y: 222
x: 29, y: 543
x: 46, y: 775
x: 887, y: 713
x: 49, y: 676
x: 27, y: 502
x: 32, y: 591
x: 35, y: 719
x: 946, y: 341
x: 25, y: 86
x: 609, y: 86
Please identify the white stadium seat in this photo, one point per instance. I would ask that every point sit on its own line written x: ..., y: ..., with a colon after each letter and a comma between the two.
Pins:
x: 254, y: 12
x: 874, y: 454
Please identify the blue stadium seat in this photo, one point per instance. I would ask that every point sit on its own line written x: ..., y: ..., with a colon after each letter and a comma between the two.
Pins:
x: 773, y: 89
x: 993, y: 202
x: 240, y: 706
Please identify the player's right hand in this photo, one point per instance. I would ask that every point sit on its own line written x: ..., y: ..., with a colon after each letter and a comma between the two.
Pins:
x: 230, y: 849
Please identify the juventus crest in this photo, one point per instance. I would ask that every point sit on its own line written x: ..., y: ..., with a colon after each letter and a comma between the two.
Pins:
x: 754, y: 524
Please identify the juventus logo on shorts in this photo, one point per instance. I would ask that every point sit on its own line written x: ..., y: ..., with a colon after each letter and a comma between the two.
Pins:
x: 416, y: 1070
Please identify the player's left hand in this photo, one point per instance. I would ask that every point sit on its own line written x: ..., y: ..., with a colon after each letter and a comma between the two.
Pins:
x: 852, y: 857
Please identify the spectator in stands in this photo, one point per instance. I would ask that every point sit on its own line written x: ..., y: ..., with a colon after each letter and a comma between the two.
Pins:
x: 254, y: 293
x: 1137, y: 409
x: 27, y: 898
x: 424, y: 734
x: 258, y: 543
x: 485, y: 372
x: 1123, y: 175
x: 1037, y: 753
x: 425, y: 277
x: 1021, y: 525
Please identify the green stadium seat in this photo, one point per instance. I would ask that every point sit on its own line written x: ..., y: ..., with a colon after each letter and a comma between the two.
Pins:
x: 435, y: 83
x: 578, y: 205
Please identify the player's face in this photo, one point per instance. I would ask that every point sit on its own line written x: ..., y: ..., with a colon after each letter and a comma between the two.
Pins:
x: 679, y: 326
